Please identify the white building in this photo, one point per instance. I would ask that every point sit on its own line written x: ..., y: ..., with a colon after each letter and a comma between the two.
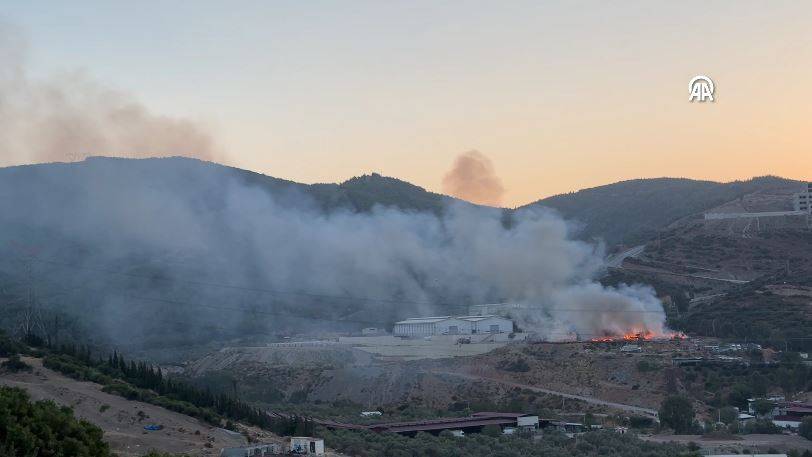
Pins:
x: 257, y: 450
x: 450, y: 325
x: 372, y: 331
x: 499, y: 309
x: 527, y: 423
x: 306, y: 445
x: 489, y: 324
x: 787, y: 421
x: 803, y: 200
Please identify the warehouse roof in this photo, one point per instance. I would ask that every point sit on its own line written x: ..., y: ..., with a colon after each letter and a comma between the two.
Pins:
x: 424, y: 320
x: 435, y: 319
x: 480, y: 318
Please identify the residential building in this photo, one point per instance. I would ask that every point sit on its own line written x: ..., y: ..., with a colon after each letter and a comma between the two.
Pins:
x: 803, y: 201
x: 305, y: 445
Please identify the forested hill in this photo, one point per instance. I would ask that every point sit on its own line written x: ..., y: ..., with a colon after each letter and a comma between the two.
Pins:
x: 624, y: 212
x: 632, y: 211
x: 199, y: 178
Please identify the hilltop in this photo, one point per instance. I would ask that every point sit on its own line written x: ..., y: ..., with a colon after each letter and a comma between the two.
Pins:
x: 630, y: 212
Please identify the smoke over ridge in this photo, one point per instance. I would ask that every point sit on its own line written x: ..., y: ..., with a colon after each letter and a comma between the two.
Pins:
x: 183, y: 219
x: 70, y: 117
x: 179, y: 219
x: 473, y: 178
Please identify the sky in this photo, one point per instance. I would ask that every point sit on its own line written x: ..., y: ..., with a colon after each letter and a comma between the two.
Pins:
x: 558, y: 96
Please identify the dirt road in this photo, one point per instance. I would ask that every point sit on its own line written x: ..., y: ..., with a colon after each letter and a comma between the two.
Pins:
x: 591, y: 400
x: 753, y: 443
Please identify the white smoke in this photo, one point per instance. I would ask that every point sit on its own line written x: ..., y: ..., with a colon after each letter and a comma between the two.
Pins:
x: 425, y: 261
x: 245, y: 235
x: 468, y: 252
x: 70, y: 117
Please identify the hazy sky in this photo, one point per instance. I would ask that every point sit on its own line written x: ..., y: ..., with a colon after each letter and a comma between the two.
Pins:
x: 559, y: 95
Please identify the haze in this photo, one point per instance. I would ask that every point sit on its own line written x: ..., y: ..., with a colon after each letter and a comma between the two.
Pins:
x: 558, y: 95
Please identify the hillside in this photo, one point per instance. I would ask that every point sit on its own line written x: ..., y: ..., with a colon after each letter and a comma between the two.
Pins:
x: 123, y: 420
x: 114, y: 239
x: 179, y: 253
x: 633, y: 211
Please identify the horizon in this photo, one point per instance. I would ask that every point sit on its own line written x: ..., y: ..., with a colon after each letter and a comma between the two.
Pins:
x: 373, y: 173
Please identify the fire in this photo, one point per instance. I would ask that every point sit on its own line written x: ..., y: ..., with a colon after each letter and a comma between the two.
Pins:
x: 643, y: 335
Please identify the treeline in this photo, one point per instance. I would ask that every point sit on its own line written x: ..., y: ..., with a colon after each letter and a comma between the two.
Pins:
x: 144, y: 382
x: 732, y: 385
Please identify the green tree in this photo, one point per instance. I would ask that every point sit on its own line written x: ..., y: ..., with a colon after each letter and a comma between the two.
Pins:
x: 763, y: 407
x: 677, y: 412
x: 805, y: 429
x: 739, y: 394
x: 491, y: 430
x: 42, y: 428
x: 728, y: 415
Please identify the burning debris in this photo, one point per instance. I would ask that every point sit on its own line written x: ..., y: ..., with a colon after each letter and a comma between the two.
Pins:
x: 644, y: 335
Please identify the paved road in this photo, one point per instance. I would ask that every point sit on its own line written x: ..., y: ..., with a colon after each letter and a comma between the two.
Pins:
x: 595, y: 401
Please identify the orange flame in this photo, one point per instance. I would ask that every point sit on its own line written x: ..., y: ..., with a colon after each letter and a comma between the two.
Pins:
x: 644, y: 335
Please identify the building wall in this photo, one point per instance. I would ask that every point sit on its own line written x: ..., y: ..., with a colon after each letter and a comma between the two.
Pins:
x: 453, y: 327
x: 803, y: 202
x: 501, y: 309
x: 409, y: 329
x: 484, y: 326
x: 304, y: 444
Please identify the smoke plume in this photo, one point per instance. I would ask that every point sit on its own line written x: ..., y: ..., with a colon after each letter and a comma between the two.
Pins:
x: 280, y: 253
x: 147, y: 251
x: 70, y: 117
x: 472, y: 178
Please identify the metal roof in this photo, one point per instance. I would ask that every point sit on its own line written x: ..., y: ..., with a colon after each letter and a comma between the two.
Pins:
x: 435, y: 319
x: 483, y: 317
x: 424, y: 320
x: 478, y: 420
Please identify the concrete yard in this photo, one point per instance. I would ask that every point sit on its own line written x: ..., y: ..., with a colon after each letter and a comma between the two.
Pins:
x: 434, y: 347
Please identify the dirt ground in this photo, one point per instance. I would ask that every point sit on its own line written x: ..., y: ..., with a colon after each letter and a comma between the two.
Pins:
x: 595, y: 370
x: 753, y: 443
x: 122, y: 420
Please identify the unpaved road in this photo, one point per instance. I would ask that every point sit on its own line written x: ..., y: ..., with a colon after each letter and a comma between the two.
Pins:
x: 753, y: 443
x: 123, y: 420
x: 591, y: 400
x: 616, y: 261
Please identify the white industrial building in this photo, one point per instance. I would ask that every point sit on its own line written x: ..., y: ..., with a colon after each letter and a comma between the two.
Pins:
x: 452, y: 325
x: 803, y: 200
x: 499, y: 309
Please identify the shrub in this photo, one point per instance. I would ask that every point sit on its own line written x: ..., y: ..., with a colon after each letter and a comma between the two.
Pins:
x: 14, y: 364
x: 761, y: 426
x: 519, y: 365
x: 805, y: 429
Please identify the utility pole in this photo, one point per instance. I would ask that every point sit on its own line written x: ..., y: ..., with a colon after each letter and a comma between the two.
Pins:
x: 31, y: 319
